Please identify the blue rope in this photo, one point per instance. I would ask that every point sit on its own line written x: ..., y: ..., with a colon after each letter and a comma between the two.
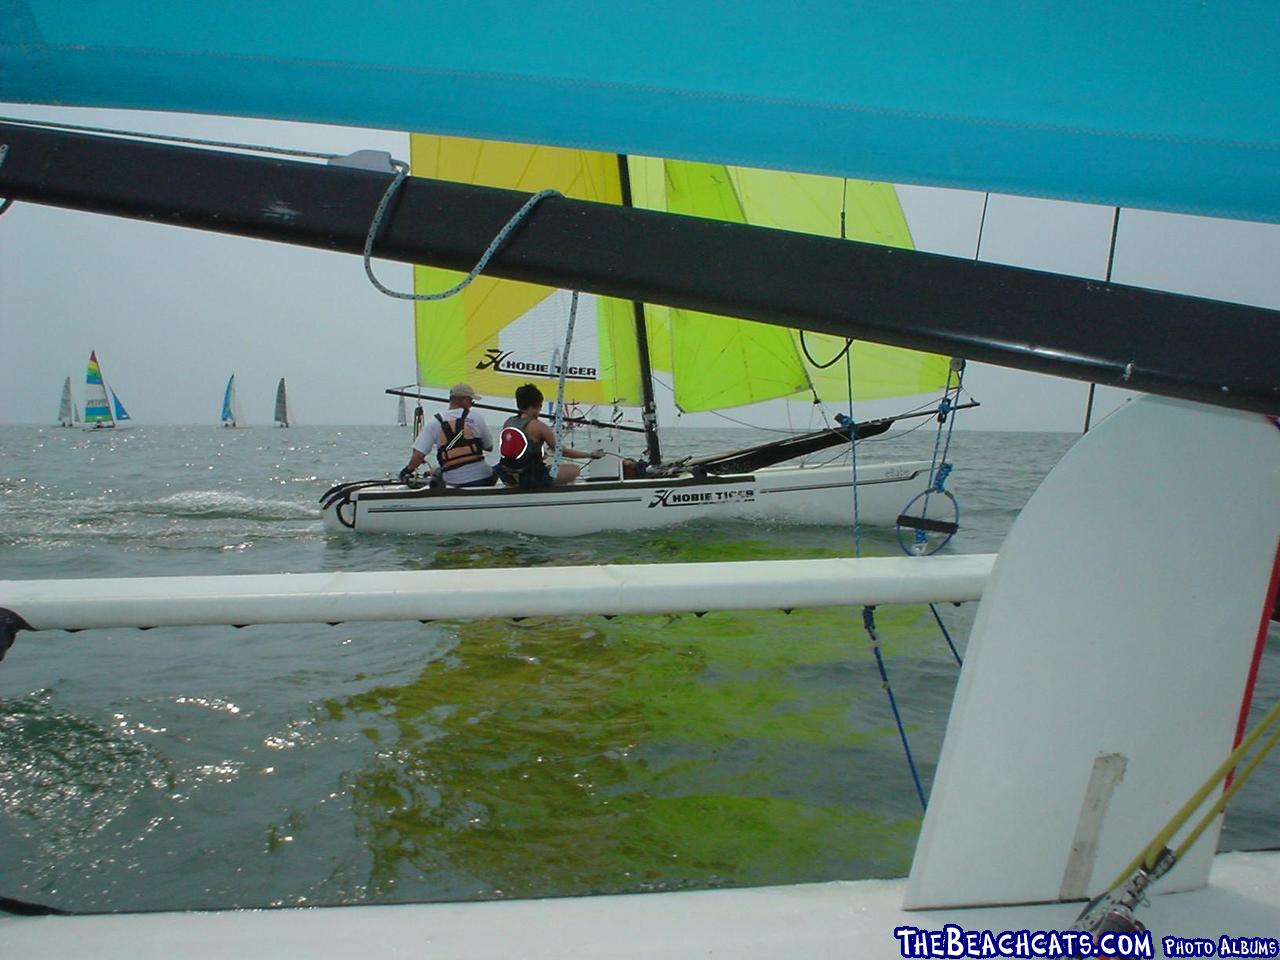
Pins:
x: 946, y: 447
x: 943, y: 627
x: 868, y: 613
x: 869, y: 621
x: 939, y: 468
x: 944, y: 407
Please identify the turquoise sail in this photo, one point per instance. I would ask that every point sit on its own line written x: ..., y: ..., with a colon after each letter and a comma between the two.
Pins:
x: 121, y: 412
x: 1159, y: 105
x: 228, y: 413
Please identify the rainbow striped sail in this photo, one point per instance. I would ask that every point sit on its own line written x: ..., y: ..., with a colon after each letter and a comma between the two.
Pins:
x: 96, y: 405
x: 102, y: 408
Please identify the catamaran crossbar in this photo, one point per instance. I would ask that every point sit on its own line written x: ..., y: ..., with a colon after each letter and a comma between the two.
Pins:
x: 1214, y: 352
x: 461, y: 594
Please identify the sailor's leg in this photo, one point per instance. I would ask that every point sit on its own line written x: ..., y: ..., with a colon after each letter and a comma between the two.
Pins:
x: 568, y: 472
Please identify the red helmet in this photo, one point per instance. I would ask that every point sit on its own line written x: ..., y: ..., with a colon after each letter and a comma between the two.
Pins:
x: 513, y: 443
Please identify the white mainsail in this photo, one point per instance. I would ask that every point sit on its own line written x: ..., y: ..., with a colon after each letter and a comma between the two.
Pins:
x: 66, y: 409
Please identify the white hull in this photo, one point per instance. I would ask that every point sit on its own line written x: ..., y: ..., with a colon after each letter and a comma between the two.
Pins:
x: 818, y: 495
x: 95, y: 427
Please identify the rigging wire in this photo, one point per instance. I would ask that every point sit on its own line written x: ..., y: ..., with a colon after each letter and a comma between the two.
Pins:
x: 558, y: 457
x: 1111, y: 259
x: 933, y: 608
x: 982, y: 225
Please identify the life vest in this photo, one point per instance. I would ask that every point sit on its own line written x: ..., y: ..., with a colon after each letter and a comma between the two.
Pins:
x: 458, y: 444
x: 521, y: 456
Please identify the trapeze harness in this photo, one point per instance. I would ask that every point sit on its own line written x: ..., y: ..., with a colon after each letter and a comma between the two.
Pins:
x: 521, y: 464
x: 458, y: 444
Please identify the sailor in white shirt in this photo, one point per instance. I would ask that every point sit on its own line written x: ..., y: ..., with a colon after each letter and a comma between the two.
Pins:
x: 460, y: 437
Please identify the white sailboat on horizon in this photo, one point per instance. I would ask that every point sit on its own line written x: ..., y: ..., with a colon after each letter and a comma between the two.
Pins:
x: 68, y: 412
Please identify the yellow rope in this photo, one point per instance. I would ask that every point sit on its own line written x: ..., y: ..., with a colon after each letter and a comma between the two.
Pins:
x: 1148, y: 858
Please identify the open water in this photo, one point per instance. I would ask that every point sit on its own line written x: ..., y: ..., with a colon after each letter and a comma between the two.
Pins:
x: 213, y: 767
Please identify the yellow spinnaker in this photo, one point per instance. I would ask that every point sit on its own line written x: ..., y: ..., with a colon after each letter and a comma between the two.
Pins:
x: 715, y: 362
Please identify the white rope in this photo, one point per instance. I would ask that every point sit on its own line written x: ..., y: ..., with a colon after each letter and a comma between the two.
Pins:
x: 564, y: 370
x: 402, y: 172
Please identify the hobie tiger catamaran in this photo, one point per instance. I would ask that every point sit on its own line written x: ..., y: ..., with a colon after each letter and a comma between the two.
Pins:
x: 498, y: 334
x: 102, y: 408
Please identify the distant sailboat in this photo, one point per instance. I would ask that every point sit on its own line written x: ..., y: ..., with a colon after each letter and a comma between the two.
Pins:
x: 284, y: 416
x: 402, y: 416
x: 102, y: 408
x: 67, y: 414
x: 230, y: 405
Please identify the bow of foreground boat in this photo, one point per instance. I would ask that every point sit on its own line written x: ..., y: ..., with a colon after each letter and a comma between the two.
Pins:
x: 833, y: 920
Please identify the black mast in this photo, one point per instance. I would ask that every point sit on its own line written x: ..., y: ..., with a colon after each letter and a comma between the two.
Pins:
x: 648, y: 409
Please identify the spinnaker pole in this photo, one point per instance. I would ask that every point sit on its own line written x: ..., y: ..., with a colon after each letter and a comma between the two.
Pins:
x: 648, y: 408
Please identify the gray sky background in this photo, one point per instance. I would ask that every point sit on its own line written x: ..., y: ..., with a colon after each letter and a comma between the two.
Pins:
x: 172, y: 312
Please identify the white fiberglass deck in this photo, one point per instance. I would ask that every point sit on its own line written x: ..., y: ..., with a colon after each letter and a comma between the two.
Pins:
x: 803, y: 922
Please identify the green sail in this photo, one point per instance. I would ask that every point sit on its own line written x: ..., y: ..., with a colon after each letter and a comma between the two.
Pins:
x: 720, y: 362
x: 714, y: 362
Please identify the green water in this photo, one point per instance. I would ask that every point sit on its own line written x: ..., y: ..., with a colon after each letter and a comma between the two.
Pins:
x: 453, y: 760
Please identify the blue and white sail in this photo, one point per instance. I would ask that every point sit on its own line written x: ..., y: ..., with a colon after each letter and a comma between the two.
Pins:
x: 231, y: 405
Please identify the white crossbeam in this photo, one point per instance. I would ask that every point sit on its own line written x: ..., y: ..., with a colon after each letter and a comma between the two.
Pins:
x: 500, y: 592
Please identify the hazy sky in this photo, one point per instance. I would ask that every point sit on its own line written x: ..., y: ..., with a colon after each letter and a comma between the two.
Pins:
x: 172, y: 312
